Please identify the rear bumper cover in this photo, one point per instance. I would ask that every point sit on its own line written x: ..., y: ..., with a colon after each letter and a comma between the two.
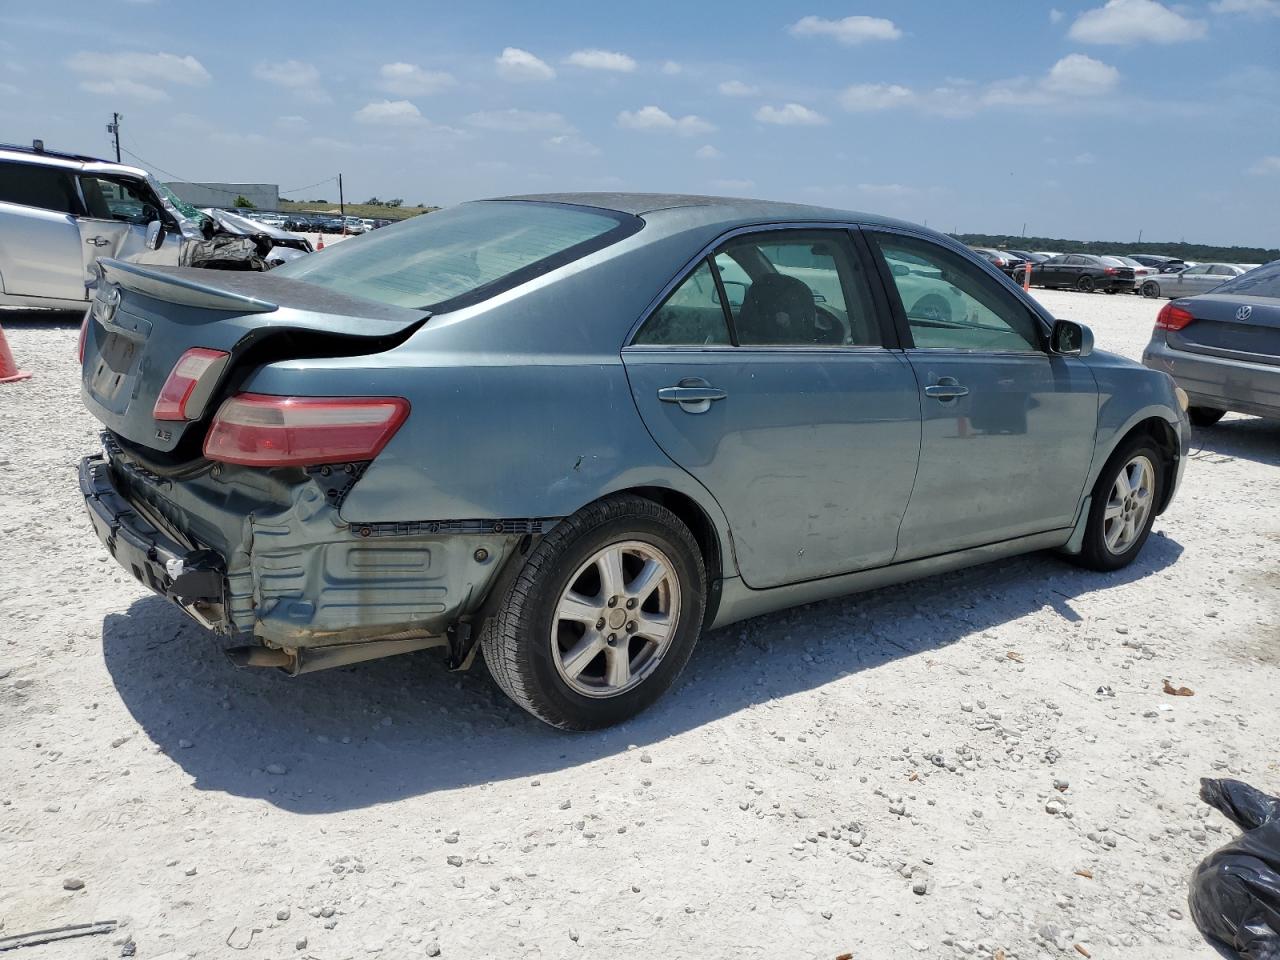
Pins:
x: 292, y: 575
x: 1219, y: 382
x: 195, y: 580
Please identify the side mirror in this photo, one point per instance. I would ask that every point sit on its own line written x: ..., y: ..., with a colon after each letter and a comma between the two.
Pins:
x: 1070, y: 339
x: 900, y: 270
x: 155, y: 235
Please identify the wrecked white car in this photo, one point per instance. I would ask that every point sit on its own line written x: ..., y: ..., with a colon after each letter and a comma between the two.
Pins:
x: 60, y: 212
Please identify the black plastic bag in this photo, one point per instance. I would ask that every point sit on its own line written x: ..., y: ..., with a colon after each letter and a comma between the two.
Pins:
x: 1235, y: 892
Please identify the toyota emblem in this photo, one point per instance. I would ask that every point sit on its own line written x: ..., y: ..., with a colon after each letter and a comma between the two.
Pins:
x: 1244, y: 313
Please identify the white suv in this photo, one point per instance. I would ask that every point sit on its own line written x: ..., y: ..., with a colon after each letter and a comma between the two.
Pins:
x: 60, y: 212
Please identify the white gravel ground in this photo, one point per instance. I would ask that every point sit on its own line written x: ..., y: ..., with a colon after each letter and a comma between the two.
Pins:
x: 808, y: 772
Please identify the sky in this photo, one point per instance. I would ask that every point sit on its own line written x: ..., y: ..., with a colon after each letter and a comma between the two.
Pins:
x: 1091, y: 120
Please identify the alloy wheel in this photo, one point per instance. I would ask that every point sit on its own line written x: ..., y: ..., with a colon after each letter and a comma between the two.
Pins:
x: 615, y: 619
x: 1128, y: 505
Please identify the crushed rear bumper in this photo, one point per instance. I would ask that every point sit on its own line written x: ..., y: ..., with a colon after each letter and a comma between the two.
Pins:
x: 194, y: 579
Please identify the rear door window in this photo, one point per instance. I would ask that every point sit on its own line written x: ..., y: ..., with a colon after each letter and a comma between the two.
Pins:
x: 798, y: 288
x: 691, y: 316
x: 35, y: 185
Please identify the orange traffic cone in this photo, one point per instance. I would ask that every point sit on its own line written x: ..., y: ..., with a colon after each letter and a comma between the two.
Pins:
x: 9, y: 372
x: 319, y: 241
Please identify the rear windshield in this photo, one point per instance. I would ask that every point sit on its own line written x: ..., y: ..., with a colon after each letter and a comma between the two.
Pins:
x: 1261, y: 281
x: 456, y: 257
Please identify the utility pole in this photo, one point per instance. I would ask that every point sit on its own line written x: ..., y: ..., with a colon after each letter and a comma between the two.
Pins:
x: 113, y: 128
x: 1024, y: 231
x: 1139, y: 236
x: 342, y: 206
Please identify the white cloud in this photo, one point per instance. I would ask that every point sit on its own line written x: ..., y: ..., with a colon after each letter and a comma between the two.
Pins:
x: 1076, y: 74
x: 303, y: 79
x: 790, y: 115
x: 736, y: 88
x: 1135, y: 21
x: 140, y: 76
x: 733, y: 185
x: 864, y: 97
x: 1266, y: 166
x: 1056, y: 15
x: 512, y: 120
x: 291, y: 124
x: 601, y: 60
x: 1253, y: 8
x: 671, y: 68
x: 410, y: 80
x: 571, y: 145
x: 1072, y: 77
x: 655, y: 119
x: 850, y: 30
x: 1084, y: 159
x: 520, y: 65
x: 390, y: 113
x: 707, y: 152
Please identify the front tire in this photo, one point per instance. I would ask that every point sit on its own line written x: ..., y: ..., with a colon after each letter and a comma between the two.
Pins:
x: 1151, y: 289
x: 1085, y: 284
x: 602, y: 617
x: 1205, y: 416
x: 1123, y: 507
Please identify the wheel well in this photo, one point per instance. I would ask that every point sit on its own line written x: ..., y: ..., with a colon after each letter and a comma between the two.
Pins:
x: 695, y: 518
x: 1166, y: 441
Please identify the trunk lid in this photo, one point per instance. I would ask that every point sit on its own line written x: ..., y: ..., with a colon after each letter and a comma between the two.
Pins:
x: 1231, y: 326
x: 143, y: 319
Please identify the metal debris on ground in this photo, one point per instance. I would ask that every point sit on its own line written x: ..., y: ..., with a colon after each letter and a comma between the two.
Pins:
x: 37, y: 937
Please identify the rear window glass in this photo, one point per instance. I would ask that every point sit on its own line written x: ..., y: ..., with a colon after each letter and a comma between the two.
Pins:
x: 1261, y: 281
x: 32, y: 185
x: 456, y: 257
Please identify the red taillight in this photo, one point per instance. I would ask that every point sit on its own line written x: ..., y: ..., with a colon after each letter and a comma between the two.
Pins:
x: 84, y: 333
x: 1110, y: 270
x: 176, y: 396
x: 1173, y: 318
x: 257, y: 430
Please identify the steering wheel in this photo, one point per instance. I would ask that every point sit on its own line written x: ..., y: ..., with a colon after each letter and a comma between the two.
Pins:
x: 827, y: 328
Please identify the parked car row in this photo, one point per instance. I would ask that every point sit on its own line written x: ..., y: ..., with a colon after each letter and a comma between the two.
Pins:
x: 1150, y: 275
x: 315, y: 222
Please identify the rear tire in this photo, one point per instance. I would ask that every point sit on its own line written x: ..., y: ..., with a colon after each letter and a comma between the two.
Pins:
x: 1085, y: 284
x: 1151, y: 289
x: 1205, y: 416
x: 541, y: 654
x: 1119, y: 522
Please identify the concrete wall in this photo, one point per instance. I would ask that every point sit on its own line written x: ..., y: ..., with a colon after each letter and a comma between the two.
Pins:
x: 264, y: 196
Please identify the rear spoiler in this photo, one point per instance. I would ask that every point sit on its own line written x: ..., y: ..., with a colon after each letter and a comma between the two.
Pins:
x: 163, y: 285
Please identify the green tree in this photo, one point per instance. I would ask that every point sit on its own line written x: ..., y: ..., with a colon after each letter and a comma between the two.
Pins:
x: 244, y: 203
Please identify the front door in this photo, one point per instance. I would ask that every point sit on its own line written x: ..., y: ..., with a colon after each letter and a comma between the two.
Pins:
x: 119, y: 209
x: 1008, y: 429
x: 781, y: 392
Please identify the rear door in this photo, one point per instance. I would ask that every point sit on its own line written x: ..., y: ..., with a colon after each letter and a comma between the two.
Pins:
x: 1008, y: 430
x: 39, y: 243
x: 780, y: 389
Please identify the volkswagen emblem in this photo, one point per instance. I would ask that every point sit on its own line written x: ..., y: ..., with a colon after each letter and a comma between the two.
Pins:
x: 1244, y: 313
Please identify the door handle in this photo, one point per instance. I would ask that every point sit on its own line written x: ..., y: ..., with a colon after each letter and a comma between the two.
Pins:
x: 947, y: 388
x: 692, y: 393
x: 98, y: 241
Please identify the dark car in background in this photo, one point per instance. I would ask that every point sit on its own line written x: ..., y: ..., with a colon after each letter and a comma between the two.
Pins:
x: 1223, y: 347
x: 1080, y: 271
x: 1001, y: 259
x: 1161, y: 263
x: 1028, y: 256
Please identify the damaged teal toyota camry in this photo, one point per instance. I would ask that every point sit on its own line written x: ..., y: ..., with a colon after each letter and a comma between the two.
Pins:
x: 575, y: 431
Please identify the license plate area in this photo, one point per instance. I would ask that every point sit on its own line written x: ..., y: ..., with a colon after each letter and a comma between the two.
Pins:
x: 118, y: 357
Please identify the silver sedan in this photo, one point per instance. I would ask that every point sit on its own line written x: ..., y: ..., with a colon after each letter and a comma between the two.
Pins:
x: 1189, y: 281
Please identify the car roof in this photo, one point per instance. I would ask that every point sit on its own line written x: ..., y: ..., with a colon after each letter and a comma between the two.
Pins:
x: 66, y: 161
x: 709, y: 209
